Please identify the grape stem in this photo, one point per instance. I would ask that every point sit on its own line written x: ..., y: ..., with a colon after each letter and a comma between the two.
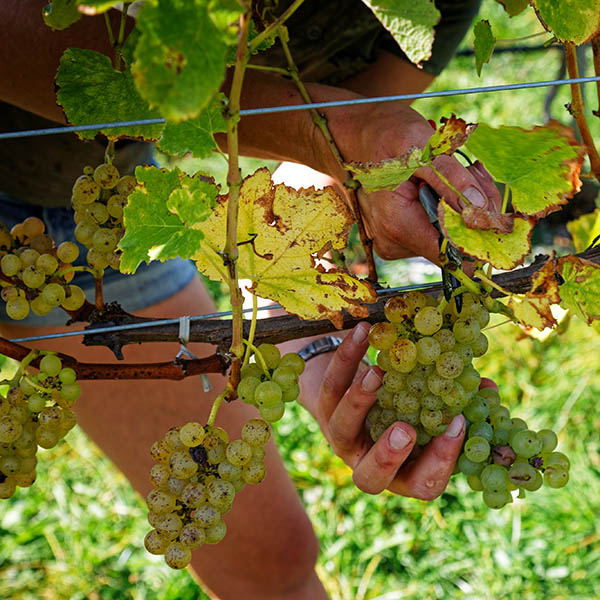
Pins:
x: 257, y: 353
x: 228, y: 391
x: 252, y: 329
x: 491, y: 282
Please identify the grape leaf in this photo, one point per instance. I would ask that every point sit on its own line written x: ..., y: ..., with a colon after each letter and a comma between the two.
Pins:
x: 195, y: 135
x: 96, y: 6
x: 534, y: 308
x: 503, y: 251
x: 585, y: 230
x: 387, y: 174
x: 91, y: 91
x: 411, y: 24
x: 225, y: 14
x: 541, y: 165
x: 514, y: 7
x: 180, y: 57
x: 60, y: 14
x: 280, y: 230
x: 390, y: 173
x: 576, y: 21
x: 580, y: 292
x: 163, y: 216
x: 484, y: 42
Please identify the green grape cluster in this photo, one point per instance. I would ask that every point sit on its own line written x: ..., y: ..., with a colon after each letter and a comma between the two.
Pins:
x: 35, y: 274
x: 197, y: 473
x: 98, y: 198
x: 270, y: 380
x: 36, y: 412
x: 429, y: 379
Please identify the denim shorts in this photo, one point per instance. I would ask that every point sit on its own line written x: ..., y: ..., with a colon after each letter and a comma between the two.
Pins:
x: 149, y: 285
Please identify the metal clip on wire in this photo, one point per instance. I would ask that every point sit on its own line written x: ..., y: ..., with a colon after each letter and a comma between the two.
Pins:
x: 184, y: 339
x: 429, y: 201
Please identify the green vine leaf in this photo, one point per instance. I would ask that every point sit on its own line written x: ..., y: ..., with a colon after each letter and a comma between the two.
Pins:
x: 96, y: 7
x: 576, y: 21
x: 580, y: 292
x: 514, y: 7
x: 484, y: 42
x: 91, y: 91
x: 60, y: 14
x: 387, y: 174
x: 390, y: 173
x: 195, y: 136
x: 541, y: 165
x: 180, y: 57
x: 163, y: 216
x: 281, y: 231
x: 501, y: 250
x: 411, y: 24
x: 585, y: 230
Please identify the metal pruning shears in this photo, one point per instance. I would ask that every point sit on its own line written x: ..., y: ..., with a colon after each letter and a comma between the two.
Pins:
x: 429, y: 201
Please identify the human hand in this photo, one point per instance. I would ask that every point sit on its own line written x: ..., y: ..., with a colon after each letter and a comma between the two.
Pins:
x: 389, y: 463
x: 395, y: 219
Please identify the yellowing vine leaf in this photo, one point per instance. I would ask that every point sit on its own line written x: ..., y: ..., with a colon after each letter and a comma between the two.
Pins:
x: 448, y: 138
x: 580, y: 292
x: 280, y: 231
x: 534, y: 308
x: 541, y: 165
x: 503, y: 251
x: 585, y: 230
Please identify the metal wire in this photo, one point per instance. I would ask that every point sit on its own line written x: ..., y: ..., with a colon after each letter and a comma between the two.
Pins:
x: 159, y: 322
x: 293, y: 107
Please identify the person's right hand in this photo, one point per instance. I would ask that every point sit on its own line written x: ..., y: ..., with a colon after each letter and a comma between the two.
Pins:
x: 395, y: 219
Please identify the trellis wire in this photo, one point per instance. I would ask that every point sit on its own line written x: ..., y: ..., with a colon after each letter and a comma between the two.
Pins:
x: 159, y: 322
x: 316, y: 105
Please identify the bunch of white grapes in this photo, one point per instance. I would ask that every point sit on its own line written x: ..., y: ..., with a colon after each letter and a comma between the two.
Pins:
x: 270, y: 381
x: 36, y: 412
x: 98, y: 198
x: 429, y: 379
x: 197, y: 474
x: 36, y: 275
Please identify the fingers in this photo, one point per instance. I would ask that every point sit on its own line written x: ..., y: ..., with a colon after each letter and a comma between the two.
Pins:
x: 463, y: 180
x: 398, y: 224
x: 378, y: 467
x: 341, y: 370
x: 486, y: 181
x: 346, y: 425
x: 427, y: 477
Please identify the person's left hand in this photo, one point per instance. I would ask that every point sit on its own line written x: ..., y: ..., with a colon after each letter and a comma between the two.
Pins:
x: 341, y: 408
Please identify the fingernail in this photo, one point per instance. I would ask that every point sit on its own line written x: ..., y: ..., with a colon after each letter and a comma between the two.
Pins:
x: 475, y: 197
x: 399, y: 439
x: 456, y: 426
x: 371, y: 381
x: 359, y: 335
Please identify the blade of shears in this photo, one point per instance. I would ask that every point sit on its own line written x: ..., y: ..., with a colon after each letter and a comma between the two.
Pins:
x: 429, y: 201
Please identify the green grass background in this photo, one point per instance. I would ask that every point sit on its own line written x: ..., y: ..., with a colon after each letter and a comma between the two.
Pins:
x: 77, y: 533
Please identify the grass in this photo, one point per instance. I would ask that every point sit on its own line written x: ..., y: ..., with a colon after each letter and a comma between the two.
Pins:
x: 76, y: 534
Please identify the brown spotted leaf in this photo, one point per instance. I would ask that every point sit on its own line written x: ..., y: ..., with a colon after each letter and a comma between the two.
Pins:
x: 585, y: 230
x: 580, y: 292
x: 449, y: 137
x: 502, y: 250
x: 480, y: 218
x: 280, y: 232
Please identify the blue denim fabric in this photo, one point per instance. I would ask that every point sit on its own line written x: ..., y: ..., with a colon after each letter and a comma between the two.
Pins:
x: 150, y: 284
